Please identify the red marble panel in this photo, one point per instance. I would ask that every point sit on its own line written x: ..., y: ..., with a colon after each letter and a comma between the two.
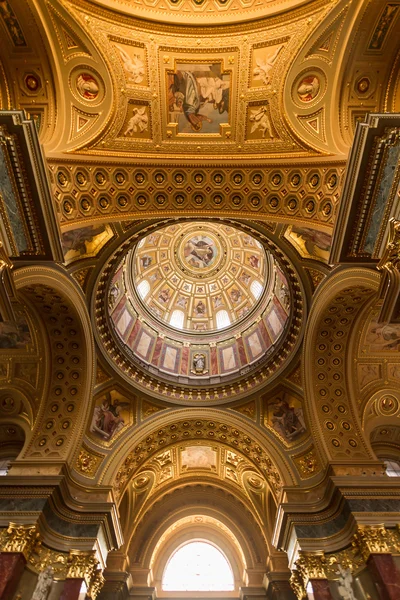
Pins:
x: 320, y: 588
x: 157, y: 352
x: 242, y: 351
x: 265, y: 335
x: 118, y: 310
x: 133, y: 334
x: 214, y: 361
x: 383, y: 570
x: 12, y: 566
x: 185, y: 360
x: 71, y: 589
x: 280, y: 311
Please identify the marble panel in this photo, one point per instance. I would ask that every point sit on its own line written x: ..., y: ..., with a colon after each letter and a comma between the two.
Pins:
x: 124, y: 321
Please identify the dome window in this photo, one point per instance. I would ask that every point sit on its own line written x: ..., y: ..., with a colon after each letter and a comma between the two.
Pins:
x: 177, y: 319
x: 143, y: 288
x: 222, y: 319
x: 256, y: 289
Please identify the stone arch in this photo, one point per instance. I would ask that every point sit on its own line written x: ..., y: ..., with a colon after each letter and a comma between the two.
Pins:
x: 69, y: 374
x: 203, y: 424
x: 203, y: 528
x: 328, y: 345
x: 199, y: 499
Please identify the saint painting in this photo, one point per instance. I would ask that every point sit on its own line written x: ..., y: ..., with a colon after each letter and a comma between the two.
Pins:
x: 198, y: 97
x: 285, y: 415
x: 200, y: 251
x: 108, y: 419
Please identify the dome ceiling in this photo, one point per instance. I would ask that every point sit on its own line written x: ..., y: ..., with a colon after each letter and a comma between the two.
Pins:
x: 198, y: 304
x: 199, y: 277
x: 203, y: 11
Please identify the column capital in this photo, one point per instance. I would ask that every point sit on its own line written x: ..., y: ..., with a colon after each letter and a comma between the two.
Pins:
x: 297, y: 585
x: 21, y: 538
x: 84, y: 565
x: 311, y: 565
x: 372, y: 539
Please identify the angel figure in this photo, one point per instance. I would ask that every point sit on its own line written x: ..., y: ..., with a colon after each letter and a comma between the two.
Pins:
x: 260, y: 120
x: 261, y: 71
x: 138, y: 122
x: 134, y: 67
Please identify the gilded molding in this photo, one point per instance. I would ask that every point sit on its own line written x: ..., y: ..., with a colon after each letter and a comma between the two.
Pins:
x: 389, y: 265
x: 311, y: 565
x: 21, y: 538
x: 297, y: 585
x: 372, y: 539
x: 84, y: 565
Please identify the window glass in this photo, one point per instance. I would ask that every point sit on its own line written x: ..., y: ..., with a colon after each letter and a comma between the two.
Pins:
x: 198, y: 566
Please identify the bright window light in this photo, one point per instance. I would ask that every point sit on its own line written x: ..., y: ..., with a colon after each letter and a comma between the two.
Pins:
x: 222, y: 319
x: 4, y: 466
x: 256, y: 289
x: 177, y: 319
x: 392, y: 468
x: 143, y: 288
x: 198, y: 566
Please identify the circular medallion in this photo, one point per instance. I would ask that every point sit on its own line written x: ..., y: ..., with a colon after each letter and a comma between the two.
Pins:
x: 199, y: 253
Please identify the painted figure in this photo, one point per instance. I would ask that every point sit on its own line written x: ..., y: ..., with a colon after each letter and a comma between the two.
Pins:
x: 308, y: 88
x: 198, y: 93
x: 133, y: 67
x: 287, y: 420
x: 199, y: 252
x: 14, y: 335
x: 107, y: 420
x: 260, y: 121
x: 87, y: 86
x: 139, y: 121
x: 263, y: 68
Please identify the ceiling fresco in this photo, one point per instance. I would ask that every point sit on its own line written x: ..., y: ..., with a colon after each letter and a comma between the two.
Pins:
x: 197, y: 332
x: 186, y: 274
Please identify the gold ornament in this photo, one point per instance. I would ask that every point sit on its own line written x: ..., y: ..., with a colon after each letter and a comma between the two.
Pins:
x: 311, y: 565
x: 296, y: 582
x: 22, y: 538
x: 372, y: 539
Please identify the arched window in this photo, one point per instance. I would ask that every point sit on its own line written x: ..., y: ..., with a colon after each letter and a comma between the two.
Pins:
x: 256, y: 289
x: 198, y: 566
x: 143, y: 288
x: 222, y: 319
x: 392, y: 468
x: 177, y: 319
x: 4, y: 465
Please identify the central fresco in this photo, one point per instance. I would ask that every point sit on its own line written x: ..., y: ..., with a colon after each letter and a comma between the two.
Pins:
x: 200, y: 277
x: 198, y: 97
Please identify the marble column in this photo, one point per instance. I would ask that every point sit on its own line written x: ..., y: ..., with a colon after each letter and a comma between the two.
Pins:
x: 71, y: 589
x: 320, y: 588
x: 12, y: 566
x: 383, y: 570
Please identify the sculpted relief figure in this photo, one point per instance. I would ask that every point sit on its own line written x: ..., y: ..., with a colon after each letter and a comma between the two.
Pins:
x: 260, y: 121
x: 345, y: 587
x: 261, y: 71
x: 43, y: 585
x: 133, y: 67
x: 139, y: 121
